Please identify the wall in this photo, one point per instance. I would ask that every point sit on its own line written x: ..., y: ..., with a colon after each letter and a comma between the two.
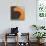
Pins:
x: 24, y: 26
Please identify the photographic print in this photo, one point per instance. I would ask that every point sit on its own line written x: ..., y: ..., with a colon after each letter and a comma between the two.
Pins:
x: 17, y: 13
